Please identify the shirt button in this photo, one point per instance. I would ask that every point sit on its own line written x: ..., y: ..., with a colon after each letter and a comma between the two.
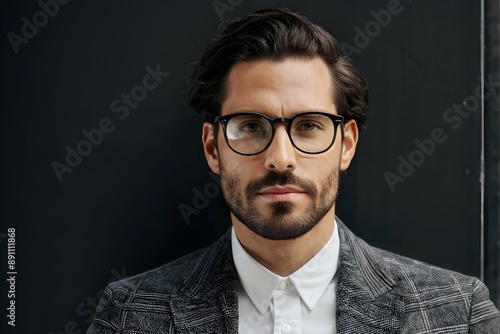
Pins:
x: 283, y: 285
x: 285, y: 328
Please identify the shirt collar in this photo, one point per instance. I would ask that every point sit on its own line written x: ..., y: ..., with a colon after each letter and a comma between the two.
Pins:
x: 310, y: 280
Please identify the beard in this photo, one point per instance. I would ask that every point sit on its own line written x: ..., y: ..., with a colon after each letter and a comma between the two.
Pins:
x: 283, y: 223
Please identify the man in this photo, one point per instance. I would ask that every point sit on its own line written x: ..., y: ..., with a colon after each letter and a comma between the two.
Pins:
x: 283, y: 110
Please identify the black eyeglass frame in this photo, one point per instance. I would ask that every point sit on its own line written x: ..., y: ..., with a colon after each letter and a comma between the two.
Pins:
x: 336, y: 119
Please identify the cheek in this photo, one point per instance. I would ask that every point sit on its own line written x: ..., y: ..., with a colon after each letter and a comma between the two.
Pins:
x: 320, y: 162
x: 244, y: 168
x: 320, y: 171
x: 234, y: 167
x: 236, y: 171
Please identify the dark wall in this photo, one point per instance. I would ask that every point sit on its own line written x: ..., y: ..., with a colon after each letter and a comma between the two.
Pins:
x: 116, y: 213
x: 492, y: 152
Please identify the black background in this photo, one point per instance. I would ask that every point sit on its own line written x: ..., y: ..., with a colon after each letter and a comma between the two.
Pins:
x: 117, y: 213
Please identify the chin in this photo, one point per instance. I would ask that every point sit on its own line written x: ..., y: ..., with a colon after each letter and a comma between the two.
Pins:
x: 282, y: 208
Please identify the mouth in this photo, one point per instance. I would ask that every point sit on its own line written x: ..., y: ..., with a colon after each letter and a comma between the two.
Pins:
x: 281, y: 193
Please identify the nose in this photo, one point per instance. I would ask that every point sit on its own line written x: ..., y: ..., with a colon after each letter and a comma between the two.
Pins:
x: 281, y: 155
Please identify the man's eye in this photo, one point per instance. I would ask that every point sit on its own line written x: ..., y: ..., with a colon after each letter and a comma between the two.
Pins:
x: 308, y: 126
x: 251, y: 127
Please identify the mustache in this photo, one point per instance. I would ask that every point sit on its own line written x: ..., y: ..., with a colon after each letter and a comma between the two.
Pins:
x: 275, y: 178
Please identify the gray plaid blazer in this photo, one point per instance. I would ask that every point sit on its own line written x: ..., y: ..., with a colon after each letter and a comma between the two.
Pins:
x: 378, y: 292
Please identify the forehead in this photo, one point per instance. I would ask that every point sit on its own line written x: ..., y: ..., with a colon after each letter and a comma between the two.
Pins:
x: 278, y: 88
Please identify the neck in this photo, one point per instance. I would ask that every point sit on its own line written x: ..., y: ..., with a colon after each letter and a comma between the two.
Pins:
x: 283, y: 257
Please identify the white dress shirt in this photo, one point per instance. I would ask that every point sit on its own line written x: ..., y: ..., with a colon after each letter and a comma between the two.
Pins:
x: 303, y: 302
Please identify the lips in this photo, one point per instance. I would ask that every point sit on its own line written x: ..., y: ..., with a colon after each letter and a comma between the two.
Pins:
x: 281, y: 193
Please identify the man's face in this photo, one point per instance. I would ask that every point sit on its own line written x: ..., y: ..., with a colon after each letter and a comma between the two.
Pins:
x: 281, y: 193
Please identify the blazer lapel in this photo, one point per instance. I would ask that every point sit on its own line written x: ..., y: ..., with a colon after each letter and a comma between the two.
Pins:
x: 207, y: 301
x: 365, y: 299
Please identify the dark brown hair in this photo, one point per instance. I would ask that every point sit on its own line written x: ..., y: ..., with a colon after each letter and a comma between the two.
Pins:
x: 275, y: 34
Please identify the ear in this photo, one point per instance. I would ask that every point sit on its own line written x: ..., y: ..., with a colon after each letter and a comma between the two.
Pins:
x: 349, y: 144
x: 210, y: 147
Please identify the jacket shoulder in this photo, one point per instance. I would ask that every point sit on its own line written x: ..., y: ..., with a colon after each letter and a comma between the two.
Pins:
x: 436, y: 290
x: 421, y: 274
x: 146, y: 297
x: 161, y: 280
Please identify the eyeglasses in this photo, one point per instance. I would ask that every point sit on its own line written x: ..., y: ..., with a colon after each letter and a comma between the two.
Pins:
x: 252, y: 133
